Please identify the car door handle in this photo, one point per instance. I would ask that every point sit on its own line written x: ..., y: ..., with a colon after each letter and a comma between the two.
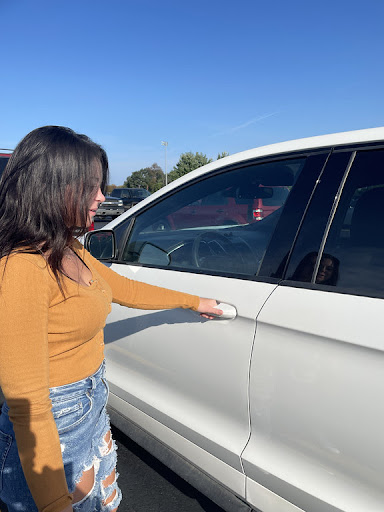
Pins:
x: 229, y: 311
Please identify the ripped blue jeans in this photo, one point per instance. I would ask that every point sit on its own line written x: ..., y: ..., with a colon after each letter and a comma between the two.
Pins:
x: 83, y: 424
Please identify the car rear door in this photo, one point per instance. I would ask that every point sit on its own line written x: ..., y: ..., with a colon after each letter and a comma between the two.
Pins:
x: 317, y: 376
x: 179, y: 377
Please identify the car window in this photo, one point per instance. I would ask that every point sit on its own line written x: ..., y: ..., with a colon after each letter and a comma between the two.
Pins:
x: 140, y: 192
x: 118, y: 192
x: 221, y: 223
x: 352, y: 259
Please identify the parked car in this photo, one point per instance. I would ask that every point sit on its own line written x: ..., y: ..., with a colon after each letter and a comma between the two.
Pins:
x: 130, y: 196
x: 111, y: 207
x: 233, y: 205
x: 4, y: 157
x: 277, y: 405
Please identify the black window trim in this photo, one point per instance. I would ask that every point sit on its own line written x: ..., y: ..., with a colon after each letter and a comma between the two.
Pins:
x: 332, y: 215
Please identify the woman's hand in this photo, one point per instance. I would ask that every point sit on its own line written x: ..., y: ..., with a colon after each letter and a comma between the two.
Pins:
x: 207, y: 308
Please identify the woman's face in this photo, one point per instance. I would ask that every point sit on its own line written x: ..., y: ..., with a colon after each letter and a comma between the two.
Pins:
x: 325, y: 271
x: 96, y: 198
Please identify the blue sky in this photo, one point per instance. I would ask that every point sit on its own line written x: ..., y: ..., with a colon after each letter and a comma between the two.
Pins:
x: 207, y: 76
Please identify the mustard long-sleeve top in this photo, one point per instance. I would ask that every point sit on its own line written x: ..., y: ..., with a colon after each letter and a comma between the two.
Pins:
x: 48, y: 340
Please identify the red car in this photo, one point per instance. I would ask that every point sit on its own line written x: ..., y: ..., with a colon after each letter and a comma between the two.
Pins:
x: 230, y: 207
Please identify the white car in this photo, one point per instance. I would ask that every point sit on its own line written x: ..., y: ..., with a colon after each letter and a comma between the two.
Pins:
x: 278, y: 405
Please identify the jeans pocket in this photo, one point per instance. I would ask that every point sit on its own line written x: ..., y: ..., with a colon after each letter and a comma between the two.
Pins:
x: 5, y: 444
x: 105, y: 382
x: 70, y: 411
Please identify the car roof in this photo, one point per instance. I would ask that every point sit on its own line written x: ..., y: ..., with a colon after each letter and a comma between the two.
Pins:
x: 308, y: 143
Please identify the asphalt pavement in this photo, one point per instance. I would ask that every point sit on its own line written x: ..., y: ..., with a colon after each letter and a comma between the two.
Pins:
x: 149, y: 486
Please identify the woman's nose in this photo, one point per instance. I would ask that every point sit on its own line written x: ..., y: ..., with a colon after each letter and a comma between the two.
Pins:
x: 99, y: 196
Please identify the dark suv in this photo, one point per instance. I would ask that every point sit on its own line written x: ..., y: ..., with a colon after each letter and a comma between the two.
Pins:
x: 130, y: 196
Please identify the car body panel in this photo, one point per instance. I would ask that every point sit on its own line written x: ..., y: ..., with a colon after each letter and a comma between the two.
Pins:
x: 185, y: 374
x: 325, y: 391
x: 229, y: 476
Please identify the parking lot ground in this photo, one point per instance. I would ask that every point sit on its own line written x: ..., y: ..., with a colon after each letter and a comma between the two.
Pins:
x: 149, y: 486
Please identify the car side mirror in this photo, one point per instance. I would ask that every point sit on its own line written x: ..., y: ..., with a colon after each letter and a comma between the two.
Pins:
x: 101, y: 244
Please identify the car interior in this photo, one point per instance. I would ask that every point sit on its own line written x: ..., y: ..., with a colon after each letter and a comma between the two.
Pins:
x: 211, y: 225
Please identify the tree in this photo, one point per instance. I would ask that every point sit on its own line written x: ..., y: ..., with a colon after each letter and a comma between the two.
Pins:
x: 109, y: 188
x: 187, y: 163
x: 152, y: 178
x: 223, y: 154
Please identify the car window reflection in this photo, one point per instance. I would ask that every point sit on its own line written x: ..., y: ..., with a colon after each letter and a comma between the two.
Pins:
x: 222, y: 223
x: 327, y: 273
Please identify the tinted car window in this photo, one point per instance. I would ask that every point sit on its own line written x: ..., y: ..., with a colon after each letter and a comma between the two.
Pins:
x: 356, y: 236
x: 352, y: 259
x: 119, y: 192
x: 315, y: 221
x: 130, y: 192
x: 140, y: 192
x: 218, y: 224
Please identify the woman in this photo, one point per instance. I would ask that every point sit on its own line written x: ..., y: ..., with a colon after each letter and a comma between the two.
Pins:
x: 55, y: 439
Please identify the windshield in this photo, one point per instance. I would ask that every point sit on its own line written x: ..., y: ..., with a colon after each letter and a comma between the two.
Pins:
x: 130, y: 192
x: 140, y: 192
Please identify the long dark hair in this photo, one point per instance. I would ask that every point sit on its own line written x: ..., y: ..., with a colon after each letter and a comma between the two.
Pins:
x: 46, y: 190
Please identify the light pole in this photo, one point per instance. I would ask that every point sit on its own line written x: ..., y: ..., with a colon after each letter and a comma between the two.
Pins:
x: 165, y: 144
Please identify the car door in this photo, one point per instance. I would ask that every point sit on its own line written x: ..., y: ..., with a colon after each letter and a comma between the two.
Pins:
x: 179, y: 377
x: 317, y: 378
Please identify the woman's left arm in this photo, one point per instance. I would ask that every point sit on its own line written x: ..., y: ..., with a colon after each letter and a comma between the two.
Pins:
x: 136, y: 294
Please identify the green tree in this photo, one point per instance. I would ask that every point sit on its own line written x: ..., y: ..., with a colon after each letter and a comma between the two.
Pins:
x: 223, y: 154
x: 187, y: 163
x: 152, y: 178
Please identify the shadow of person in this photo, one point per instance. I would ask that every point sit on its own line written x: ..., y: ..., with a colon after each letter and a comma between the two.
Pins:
x: 114, y: 331
x: 15, y: 493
